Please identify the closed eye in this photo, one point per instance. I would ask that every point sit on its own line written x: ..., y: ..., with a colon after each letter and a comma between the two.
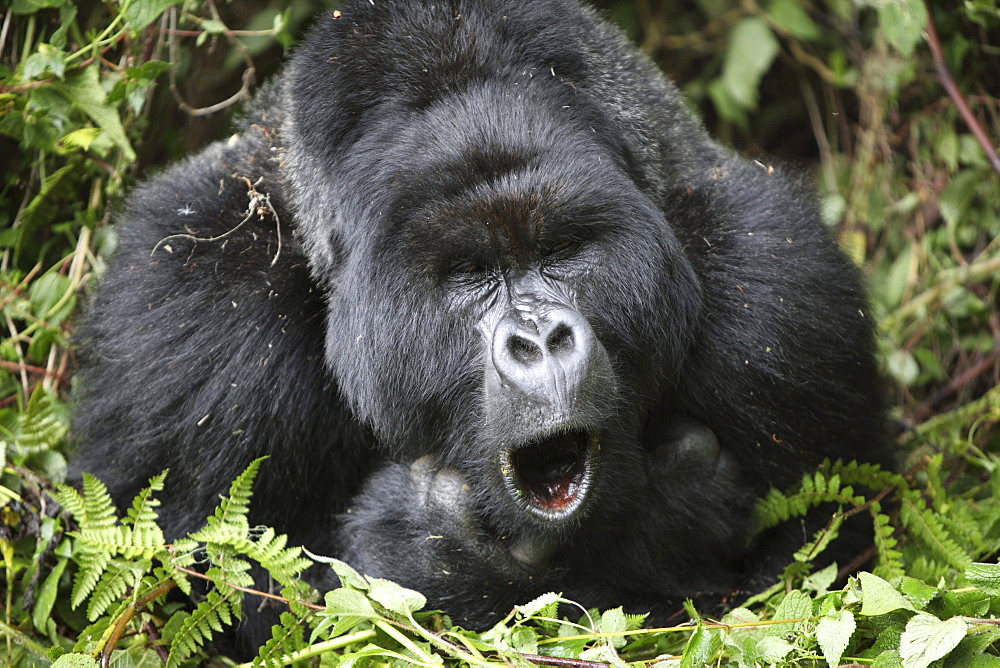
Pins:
x: 565, y: 247
x: 467, y: 268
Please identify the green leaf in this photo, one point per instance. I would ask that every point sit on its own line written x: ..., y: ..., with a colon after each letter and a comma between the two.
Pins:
x: 833, y: 634
x: 75, y: 660
x: 751, y: 50
x: 538, y: 605
x: 898, y: 278
x: 46, y: 596
x: 903, y: 22
x: 213, y: 27
x: 701, y: 648
x: 789, y: 15
x: 140, y: 13
x: 48, y: 291
x: 345, y: 602
x: 928, y: 639
x: 83, y: 89
x: 396, y: 598
x: 47, y: 58
x: 773, y: 649
x: 613, y: 621
x: 795, y: 605
x: 879, y: 597
x: 958, y: 195
x: 984, y: 577
x: 349, y: 577
x: 917, y: 591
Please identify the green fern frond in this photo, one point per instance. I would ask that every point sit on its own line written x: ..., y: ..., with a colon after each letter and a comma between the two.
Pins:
x: 815, y: 489
x: 229, y: 524
x: 92, y: 566
x: 98, y: 538
x: 209, y: 617
x: 890, y: 559
x: 866, y: 474
x: 118, y: 578
x: 42, y: 425
x: 926, y: 569
x: 286, y: 637
x: 925, y: 525
x: 284, y: 564
x: 142, y: 536
x: 70, y: 499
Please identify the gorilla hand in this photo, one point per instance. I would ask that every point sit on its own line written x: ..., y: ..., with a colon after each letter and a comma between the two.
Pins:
x: 416, y: 524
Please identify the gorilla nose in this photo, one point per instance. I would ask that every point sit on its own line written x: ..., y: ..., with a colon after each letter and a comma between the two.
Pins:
x: 546, y: 357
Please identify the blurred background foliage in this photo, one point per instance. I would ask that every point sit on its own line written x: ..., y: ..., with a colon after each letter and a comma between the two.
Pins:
x: 892, y: 105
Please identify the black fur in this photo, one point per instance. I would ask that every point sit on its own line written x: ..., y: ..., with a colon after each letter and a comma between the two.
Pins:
x: 730, y: 347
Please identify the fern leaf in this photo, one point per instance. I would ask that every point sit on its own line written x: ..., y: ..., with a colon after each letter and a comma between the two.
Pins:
x: 209, y: 617
x: 889, y: 558
x: 92, y: 566
x: 286, y: 637
x: 114, y: 583
x: 923, y: 523
x: 141, y: 534
x: 43, y: 424
x: 69, y: 499
x: 229, y: 524
x: 284, y: 564
x: 98, y: 538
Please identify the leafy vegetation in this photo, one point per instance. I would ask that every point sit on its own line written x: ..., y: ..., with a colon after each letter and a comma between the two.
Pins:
x: 899, y: 119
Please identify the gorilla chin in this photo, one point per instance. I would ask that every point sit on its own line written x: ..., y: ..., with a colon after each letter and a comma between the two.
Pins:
x: 510, y: 323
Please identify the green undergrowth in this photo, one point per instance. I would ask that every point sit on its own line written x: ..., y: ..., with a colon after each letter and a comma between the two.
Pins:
x: 94, y: 93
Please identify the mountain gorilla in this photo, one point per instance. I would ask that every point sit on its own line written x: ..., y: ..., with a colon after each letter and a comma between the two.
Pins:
x: 503, y: 316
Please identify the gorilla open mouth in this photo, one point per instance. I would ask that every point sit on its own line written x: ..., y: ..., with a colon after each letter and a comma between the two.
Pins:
x: 552, y: 474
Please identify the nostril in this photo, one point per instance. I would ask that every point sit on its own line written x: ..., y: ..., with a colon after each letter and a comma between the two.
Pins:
x: 560, y: 340
x: 523, y: 351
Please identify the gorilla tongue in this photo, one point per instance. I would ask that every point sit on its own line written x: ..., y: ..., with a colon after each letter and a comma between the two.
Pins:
x: 553, y: 474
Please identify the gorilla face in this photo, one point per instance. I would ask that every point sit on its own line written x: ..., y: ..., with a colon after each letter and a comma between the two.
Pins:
x: 494, y: 229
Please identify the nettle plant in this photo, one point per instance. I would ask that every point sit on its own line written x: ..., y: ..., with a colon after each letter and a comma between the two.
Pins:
x: 125, y: 573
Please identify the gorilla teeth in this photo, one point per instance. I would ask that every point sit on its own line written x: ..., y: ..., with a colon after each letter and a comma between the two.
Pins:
x: 552, y: 474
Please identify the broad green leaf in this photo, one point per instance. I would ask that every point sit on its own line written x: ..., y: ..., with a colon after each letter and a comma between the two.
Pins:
x: 349, y: 603
x: 773, y: 649
x: 751, y: 50
x: 833, y: 634
x: 957, y: 197
x: 81, y: 138
x: 613, y: 621
x: 75, y: 660
x: 395, y: 598
x: 879, y: 597
x: 917, y: 591
x: 898, y: 278
x: 46, y: 59
x: 822, y: 580
x: 348, y: 576
x: 984, y: 577
x: 46, y: 596
x: 789, y: 15
x: 83, y: 89
x: 140, y: 13
x: 903, y: 23
x: 928, y: 639
x: 701, y: 648
x: 795, y: 605
x: 903, y: 367
x: 524, y: 639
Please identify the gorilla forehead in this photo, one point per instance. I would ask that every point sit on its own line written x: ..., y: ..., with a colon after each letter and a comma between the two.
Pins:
x: 490, y: 171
